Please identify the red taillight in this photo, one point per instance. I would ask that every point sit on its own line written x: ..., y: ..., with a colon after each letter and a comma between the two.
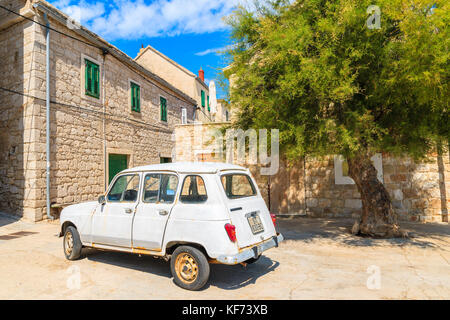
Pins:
x: 231, y: 230
x: 274, y: 219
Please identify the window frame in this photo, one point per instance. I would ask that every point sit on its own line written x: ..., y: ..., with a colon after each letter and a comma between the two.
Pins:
x: 159, y: 190
x: 250, y: 180
x: 183, y: 115
x: 87, y: 91
x: 135, y: 85
x: 341, y: 179
x: 114, y: 182
x: 182, y: 186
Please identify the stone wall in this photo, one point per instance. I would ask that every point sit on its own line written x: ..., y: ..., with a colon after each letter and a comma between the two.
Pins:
x: 84, y: 130
x: 419, y: 191
x: 18, y: 127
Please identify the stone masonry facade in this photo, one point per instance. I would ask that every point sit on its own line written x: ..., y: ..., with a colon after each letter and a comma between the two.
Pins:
x: 419, y: 191
x: 84, y: 130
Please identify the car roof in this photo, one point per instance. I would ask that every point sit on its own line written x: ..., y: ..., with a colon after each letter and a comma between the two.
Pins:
x: 188, y: 167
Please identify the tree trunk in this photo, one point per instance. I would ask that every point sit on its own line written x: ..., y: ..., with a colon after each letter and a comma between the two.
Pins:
x: 378, y: 218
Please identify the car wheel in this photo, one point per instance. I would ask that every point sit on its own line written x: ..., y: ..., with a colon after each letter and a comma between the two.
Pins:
x: 72, y: 243
x: 189, y: 267
x: 252, y: 260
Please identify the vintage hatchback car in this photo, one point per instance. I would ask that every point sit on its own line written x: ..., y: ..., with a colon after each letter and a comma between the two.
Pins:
x: 191, y: 213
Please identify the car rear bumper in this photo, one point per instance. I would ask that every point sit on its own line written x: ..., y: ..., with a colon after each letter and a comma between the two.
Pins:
x: 252, y: 252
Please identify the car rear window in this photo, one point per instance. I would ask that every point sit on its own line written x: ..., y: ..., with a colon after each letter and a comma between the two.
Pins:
x: 238, y: 186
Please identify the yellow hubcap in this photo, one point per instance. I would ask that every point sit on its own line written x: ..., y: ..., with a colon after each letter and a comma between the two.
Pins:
x: 68, y: 243
x: 186, y: 268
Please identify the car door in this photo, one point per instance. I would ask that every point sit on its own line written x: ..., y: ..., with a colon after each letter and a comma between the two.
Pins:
x: 112, y: 223
x: 157, y: 200
x: 248, y: 211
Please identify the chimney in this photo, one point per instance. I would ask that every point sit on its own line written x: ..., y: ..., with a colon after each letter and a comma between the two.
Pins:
x: 201, y: 74
x: 142, y: 49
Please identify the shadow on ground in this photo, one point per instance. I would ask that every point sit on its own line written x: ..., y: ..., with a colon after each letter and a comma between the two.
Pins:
x: 6, y: 219
x: 338, y: 230
x: 222, y: 276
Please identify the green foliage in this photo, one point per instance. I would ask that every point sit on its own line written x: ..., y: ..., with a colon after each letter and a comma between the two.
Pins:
x: 314, y: 70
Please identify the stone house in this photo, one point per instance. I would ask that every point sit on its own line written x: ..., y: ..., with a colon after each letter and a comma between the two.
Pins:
x: 107, y: 112
x: 322, y: 188
x: 180, y: 77
x: 223, y: 113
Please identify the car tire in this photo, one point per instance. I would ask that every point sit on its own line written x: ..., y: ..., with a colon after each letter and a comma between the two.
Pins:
x: 189, y: 267
x: 252, y: 260
x: 72, y: 243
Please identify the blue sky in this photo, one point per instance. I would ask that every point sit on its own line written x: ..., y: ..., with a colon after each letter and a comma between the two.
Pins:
x: 188, y: 31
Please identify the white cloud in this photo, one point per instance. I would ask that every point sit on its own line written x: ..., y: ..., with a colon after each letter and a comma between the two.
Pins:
x: 133, y: 19
x: 216, y: 51
x: 81, y: 11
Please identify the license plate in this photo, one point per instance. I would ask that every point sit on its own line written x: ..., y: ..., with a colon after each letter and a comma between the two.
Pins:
x: 255, y: 223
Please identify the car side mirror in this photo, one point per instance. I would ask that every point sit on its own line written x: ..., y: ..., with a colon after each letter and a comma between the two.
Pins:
x: 101, y: 200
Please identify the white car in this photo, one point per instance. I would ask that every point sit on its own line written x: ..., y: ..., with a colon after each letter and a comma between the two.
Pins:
x: 192, y: 213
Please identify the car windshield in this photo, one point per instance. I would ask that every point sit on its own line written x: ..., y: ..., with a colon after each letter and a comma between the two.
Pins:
x: 238, y: 186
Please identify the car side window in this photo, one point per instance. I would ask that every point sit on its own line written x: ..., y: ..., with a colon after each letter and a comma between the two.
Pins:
x: 193, y: 190
x: 125, y: 189
x: 160, y: 188
x: 151, y: 188
x: 168, y: 188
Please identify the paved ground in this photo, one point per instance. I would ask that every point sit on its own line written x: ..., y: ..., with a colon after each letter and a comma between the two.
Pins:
x: 319, y: 260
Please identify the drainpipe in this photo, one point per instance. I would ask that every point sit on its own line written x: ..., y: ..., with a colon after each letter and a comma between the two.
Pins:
x: 47, y: 104
x: 105, y: 155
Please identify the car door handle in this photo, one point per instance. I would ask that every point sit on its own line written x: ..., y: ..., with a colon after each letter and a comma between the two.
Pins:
x: 163, y: 212
x: 128, y: 210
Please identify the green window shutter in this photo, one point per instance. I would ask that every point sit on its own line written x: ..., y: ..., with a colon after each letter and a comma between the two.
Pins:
x: 88, y: 79
x: 92, y: 79
x: 96, y: 81
x: 208, y: 104
x: 135, y: 97
x: 138, y: 102
x: 203, y: 98
x: 132, y: 97
x: 163, y: 109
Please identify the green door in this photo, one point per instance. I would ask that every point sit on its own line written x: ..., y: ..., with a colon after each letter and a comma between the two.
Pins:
x: 117, y: 163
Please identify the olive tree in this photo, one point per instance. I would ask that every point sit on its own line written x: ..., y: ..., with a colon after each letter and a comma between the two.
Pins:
x: 344, y: 77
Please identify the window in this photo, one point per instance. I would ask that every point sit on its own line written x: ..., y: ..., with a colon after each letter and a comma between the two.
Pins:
x: 227, y: 116
x: 135, y: 97
x: 92, y: 76
x: 183, y: 116
x: 238, y: 186
x: 193, y: 190
x: 203, y: 98
x: 209, y: 109
x: 160, y: 188
x: 163, y: 103
x: 125, y: 189
x: 165, y: 160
